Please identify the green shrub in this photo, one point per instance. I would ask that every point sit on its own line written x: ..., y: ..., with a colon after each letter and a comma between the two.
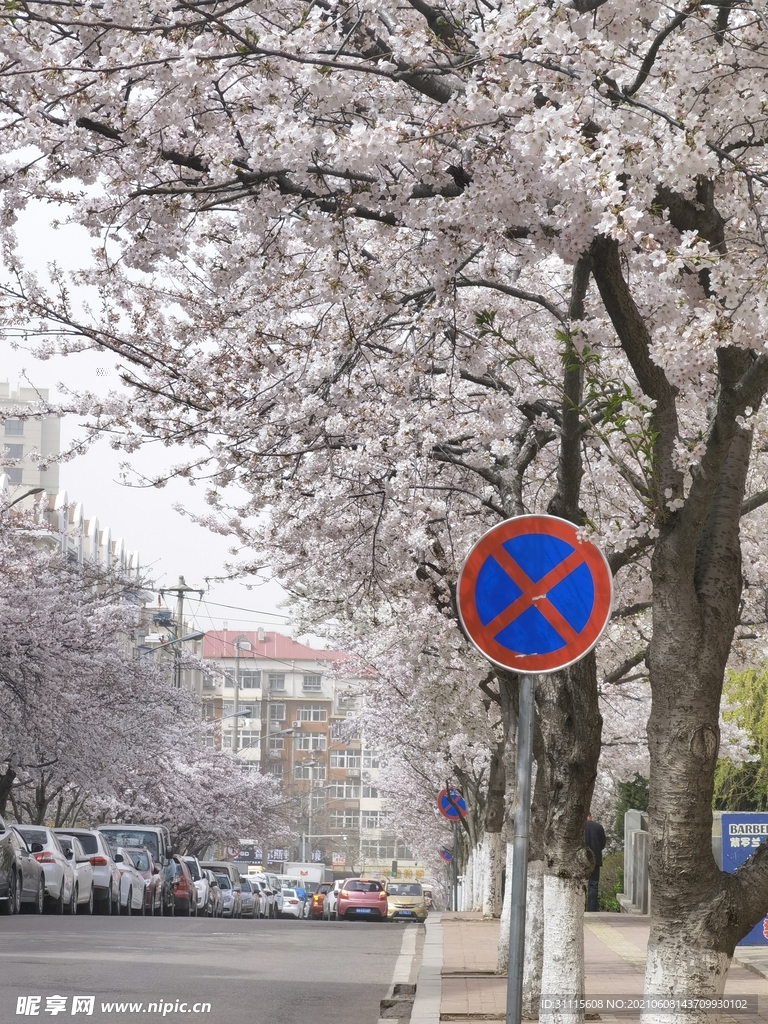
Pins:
x: 611, y: 882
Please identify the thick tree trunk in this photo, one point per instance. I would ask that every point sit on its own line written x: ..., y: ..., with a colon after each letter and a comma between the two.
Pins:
x: 492, y: 844
x: 534, y: 939
x: 563, y: 974
x: 6, y: 784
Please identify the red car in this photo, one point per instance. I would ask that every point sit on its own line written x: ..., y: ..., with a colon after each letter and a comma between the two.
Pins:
x: 183, y: 887
x: 317, y: 901
x: 362, y: 898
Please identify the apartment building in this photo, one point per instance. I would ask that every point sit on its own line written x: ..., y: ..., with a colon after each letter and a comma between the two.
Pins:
x: 21, y: 439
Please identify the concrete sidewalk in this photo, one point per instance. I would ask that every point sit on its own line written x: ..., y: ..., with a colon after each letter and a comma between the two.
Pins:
x: 614, y: 951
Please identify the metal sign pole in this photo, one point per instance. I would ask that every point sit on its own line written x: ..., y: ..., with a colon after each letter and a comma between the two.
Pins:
x: 520, y: 850
x: 455, y: 867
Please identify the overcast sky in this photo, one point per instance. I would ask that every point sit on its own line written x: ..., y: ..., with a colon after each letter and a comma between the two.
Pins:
x: 168, y: 543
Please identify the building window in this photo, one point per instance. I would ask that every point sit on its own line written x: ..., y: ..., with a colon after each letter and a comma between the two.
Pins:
x: 277, y: 712
x: 370, y: 793
x: 345, y: 759
x: 312, y: 713
x: 276, y: 742
x: 14, y: 473
x: 344, y: 791
x: 378, y: 849
x: 309, y: 741
x: 210, y: 741
x: 226, y: 740
x: 309, y: 772
x: 312, y: 682
x: 371, y: 759
x: 403, y: 852
x: 372, y: 819
x: 250, y: 679
x: 248, y: 740
x: 14, y: 451
x: 343, y: 819
x: 14, y: 428
x: 276, y: 770
x: 276, y: 680
x: 251, y: 720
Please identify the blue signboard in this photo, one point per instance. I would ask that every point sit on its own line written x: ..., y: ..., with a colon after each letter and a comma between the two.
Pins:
x: 743, y: 832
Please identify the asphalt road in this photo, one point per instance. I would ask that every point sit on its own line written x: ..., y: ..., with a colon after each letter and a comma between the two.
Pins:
x: 259, y: 972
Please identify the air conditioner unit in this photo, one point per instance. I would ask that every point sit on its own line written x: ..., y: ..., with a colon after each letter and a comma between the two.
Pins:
x: 351, y: 714
x: 296, y: 725
x: 353, y: 773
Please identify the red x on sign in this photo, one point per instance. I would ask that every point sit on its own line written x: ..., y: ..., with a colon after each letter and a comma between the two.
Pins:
x: 533, y: 596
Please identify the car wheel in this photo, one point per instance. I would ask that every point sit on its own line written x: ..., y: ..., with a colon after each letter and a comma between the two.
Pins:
x: 40, y: 898
x: 11, y: 904
x: 129, y: 903
x: 72, y: 905
x: 106, y: 905
x: 89, y: 904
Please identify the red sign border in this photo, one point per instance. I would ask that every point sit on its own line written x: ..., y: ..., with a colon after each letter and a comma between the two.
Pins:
x: 602, y: 579
x: 450, y: 817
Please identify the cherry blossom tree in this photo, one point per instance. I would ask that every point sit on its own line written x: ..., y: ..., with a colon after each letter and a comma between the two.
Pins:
x: 381, y: 261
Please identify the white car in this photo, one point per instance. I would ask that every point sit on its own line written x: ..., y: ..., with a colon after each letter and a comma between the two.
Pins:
x: 59, y: 872
x: 132, y: 884
x: 202, y: 885
x: 330, y: 902
x: 293, y: 904
x: 266, y: 895
x: 84, y: 888
x: 106, y: 876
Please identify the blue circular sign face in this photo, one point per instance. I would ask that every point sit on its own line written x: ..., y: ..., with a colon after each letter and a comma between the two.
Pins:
x: 446, y: 855
x: 533, y: 595
x: 453, y: 807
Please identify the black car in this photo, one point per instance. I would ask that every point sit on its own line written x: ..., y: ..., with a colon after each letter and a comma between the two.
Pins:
x: 22, y: 879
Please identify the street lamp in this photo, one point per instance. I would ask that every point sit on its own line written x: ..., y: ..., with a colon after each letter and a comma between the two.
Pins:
x: 169, y: 643
x: 21, y: 497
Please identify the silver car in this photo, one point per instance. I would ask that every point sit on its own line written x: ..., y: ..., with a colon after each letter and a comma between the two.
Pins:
x: 60, y: 889
x: 106, y: 876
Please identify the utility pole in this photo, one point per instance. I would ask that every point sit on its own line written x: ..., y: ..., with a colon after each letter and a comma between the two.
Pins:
x: 179, y: 590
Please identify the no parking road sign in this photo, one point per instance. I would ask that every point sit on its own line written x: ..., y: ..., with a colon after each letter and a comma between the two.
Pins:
x: 533, y: 596
x: 452, y: 807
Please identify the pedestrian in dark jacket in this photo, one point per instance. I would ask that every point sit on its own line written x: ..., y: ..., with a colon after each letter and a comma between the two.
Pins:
x: 594, y: 838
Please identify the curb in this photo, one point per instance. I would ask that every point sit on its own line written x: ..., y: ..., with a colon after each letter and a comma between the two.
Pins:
x: 429, y: 986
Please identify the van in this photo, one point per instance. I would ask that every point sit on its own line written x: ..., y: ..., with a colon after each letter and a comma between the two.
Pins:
x: 224, y: 867
x: 156, y: 838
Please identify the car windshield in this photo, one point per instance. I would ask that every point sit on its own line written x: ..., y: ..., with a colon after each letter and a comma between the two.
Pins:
x: 357, y: 886
x: 404, y: 889
x: 246, y: 887
x: 193, y: 869
x: 34, y: 835
x: 89, y: 843
x: 140, y: 860
x: 223, y: 881
x: 132, y: 837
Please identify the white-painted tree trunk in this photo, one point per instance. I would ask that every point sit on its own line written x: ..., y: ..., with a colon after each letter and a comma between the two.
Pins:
x: 562, y: 976
x: 491, y: 894
x: 481, y: 873
x: 534, y: 939
x: 467, y: 889
x: 678, y: 970
x: 502, y: 957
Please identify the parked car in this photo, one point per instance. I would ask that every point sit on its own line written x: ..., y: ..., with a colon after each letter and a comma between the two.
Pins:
x: 153, y: 879
x: 59, y: 873
x: 362, y: 898
x: 317, y: 901
x: 331, y: 900
x: 405, y: 901
x: 182, y: 887
x: 22, y: 879
x: 84, y: 891
x: 248, y: 899
x: 131, y: 883
x: 215, y: 905
x: 106, y: 875
x: 231, y: 906
x: 293, y: 904
x: 156, y: 839
x: 266, y: 896
x: 202, y: 885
